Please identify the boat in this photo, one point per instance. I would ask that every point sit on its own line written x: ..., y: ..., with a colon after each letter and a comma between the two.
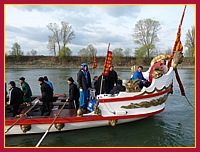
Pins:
x: 109, y: 109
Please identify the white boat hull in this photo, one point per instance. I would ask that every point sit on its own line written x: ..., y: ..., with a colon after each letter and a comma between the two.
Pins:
x: 117, y: 109
x: 101, y: 121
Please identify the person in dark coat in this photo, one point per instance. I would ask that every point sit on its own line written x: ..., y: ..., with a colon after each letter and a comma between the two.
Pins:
x: 47, y: 96
x: 15, y: 97
x: 26, y: 89
x: 95, y: 85
x: 84, y: 83
x: 102, y: 85
x: 46, y: 80
x: 118, y: 88
x: 73, y: 94
x: 111, y: 79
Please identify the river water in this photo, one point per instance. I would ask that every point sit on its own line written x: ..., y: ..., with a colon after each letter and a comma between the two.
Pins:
x: 174, y: 127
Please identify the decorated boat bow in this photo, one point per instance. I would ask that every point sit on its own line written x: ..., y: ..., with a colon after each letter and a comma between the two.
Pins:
x: 110, y: 109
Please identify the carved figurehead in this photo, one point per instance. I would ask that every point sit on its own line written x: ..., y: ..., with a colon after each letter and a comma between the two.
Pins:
x: 157, y: 72
x: 159, y: 58
x: 177, y: 59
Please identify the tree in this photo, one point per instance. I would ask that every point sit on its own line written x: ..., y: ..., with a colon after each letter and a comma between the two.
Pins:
x: 60, y: 34
x: 117, y: 54
x: 91, y: 49
x: 66, y: 33
x: 63, y: 53
x: 83, y: 53
x: 127, y: 52
x: 190, y: 42
x: 140, y: 52
x: 53, y: 27
x: 16, y: 51
x: 51, y: 45
x: 145, y: 34
x: 33, y: 52
x: 87, y: 53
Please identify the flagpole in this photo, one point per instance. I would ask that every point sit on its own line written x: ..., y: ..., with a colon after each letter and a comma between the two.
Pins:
x: 101, y: 83
x: 179, y: 32
x: 177, y: 38
x: 103, y: 72
x: 183, y: 15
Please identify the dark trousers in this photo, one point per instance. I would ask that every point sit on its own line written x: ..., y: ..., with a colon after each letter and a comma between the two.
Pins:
x: 72, y: 106
x: 45, y: 108
x: 15, y: 109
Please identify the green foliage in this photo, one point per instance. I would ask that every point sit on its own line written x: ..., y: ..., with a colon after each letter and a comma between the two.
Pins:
x: 140, y: 53
x: 87, y: 53
x: 63, y: 53
x: 145, y: 34
x: 190, y: 43
x: 117, y: 54
x: 16, y: 51
x: 61, y: 35
x: 127, y: 52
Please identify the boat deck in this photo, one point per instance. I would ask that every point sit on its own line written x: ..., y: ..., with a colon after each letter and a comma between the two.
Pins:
x: 66, y: 113
x: 36, y: 111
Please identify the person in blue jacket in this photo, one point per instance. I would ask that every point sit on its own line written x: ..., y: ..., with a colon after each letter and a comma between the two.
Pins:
x: 84, y: 83
x: 138, y: 75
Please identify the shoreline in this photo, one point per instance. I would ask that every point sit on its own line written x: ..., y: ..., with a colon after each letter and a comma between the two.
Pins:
x: 77, y: 67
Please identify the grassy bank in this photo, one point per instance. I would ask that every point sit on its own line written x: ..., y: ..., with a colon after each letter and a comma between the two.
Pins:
x: 75, y: 61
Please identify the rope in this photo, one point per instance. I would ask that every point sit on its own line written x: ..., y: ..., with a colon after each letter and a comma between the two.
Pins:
x: 189, y: 101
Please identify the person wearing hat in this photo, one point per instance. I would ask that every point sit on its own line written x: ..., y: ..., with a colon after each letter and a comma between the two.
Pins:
x: 46, y: 80
x: 26, y: 90
x: 111, y: 79
x: 73, y: 94
x: 15, y: 97
x: 47, y: 96
x: 84, y: 83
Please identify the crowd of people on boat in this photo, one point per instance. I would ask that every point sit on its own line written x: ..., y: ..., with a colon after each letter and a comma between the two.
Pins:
x: 79, y: 93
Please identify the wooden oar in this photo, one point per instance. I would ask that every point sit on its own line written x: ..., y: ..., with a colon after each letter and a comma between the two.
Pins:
x: 56, y: 116
x: 22, y: 116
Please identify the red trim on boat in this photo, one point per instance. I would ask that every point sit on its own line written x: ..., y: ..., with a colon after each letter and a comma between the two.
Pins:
x: 79, y: 119
x: 134, y: 97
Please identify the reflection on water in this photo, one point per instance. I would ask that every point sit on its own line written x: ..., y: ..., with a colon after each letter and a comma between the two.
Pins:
x: 173, y: 127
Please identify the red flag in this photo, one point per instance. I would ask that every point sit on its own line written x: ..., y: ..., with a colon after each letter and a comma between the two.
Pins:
x: 177, y: 45
x: 108, y: 62
x: 95, y: 60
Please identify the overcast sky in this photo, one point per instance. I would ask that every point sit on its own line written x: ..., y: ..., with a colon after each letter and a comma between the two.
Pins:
x: 93, y: 24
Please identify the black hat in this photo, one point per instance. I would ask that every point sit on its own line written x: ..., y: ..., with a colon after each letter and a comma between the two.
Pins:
x: 71, y: 79
x: 12, y: 83
x: 22, y: 78
x: 45, y: 78
x: 41, y: 79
